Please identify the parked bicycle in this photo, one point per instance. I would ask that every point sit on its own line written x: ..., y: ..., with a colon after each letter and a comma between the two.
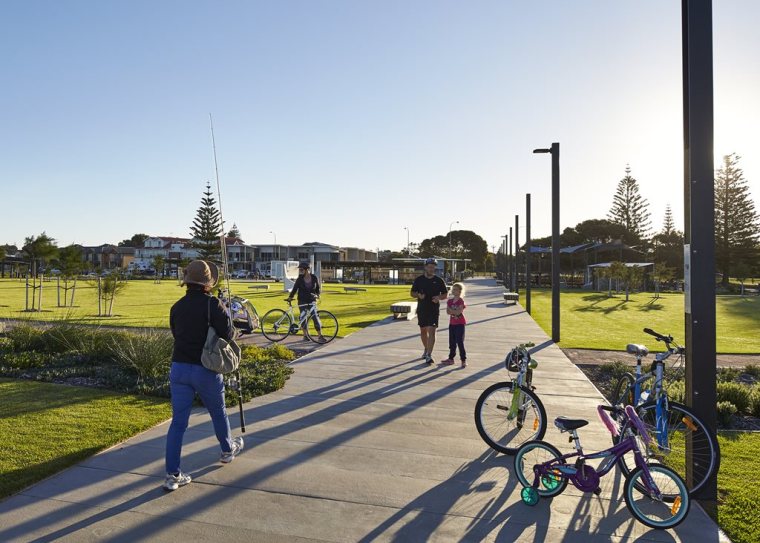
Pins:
x: 654, y: 494
x: 320, y: 326
x: 509, y: 413
x: 672, y: 424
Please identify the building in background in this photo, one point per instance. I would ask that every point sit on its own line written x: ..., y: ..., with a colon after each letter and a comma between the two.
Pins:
x: 107, y: 257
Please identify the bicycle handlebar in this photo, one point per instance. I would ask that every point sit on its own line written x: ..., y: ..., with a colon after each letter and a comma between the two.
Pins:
x: 658, y: 336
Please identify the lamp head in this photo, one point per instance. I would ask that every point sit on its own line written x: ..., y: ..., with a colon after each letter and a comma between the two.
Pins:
x: 539, y: 151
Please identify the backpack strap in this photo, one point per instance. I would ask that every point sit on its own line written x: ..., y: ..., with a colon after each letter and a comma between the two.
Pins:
x: 208, y: 314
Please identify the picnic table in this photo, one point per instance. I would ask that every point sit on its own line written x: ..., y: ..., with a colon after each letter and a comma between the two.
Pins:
x: 513, y: 297
x: 405, y: 310
x: 354, y: 289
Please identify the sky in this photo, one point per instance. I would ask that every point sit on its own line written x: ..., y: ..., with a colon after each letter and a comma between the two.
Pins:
x: 344, y: 122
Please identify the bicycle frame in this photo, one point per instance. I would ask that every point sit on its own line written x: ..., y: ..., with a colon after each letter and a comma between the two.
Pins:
x: 586, y: 478
x: 524, y: 375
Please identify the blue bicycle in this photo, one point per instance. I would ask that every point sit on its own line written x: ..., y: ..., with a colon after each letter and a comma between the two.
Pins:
x: 672, y: 424
x: 654, y: 494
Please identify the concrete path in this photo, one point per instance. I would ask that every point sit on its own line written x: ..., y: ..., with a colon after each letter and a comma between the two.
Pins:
x: 365, y: 443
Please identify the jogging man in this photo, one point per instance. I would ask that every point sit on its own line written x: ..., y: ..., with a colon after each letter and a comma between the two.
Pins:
x: 429, y: 289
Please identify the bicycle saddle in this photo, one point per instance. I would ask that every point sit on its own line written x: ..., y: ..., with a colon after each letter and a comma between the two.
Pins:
x: 638, y: 350
x: 565, y: 424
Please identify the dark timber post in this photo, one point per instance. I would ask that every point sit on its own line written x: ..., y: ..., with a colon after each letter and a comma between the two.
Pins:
x: 699, y: 234
x: 517, y: 254
x: 554, y: 151
x: 527, y: 253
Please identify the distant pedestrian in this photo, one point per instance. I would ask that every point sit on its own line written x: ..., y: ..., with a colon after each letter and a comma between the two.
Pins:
x: 455, y: 307
x: 189, y: 320
x: 429, y: 289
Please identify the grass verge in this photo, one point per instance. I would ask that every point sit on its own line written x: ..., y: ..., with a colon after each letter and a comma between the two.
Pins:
x: 45, y: 428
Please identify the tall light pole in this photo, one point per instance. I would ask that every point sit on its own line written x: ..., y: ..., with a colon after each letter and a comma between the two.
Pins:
x: 408, y: 252
x: 517, y: 254
x: 554, y: 151
x: 504, y: 243
x: 274, y: 247
x: 528, y: 256
x: 451, y: 270
x: 699, y: 229
x: 508, y: 286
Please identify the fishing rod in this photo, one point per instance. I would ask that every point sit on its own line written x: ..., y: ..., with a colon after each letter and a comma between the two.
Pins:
x: 236, y: 382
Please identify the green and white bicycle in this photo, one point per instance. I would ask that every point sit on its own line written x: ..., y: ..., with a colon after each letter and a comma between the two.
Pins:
x: 319, y: 326
x: 509, y: 413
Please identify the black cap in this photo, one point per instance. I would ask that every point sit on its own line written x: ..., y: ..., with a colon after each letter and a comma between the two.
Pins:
x: 303, y: 266
x: 431, y: 261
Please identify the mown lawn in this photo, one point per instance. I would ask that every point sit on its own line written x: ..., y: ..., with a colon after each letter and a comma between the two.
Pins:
x: 145, y: 303
x: 738, y: 481
x: 592, y: 320
x: 45, y: 428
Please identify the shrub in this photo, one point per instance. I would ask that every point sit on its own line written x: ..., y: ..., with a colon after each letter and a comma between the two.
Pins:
x: 755, y: 401
x: 736, y: 393
x: 92, y: 341
x: 24, y: 360
x: 148, y: 352
x: 24, y: 337
x: 614, y: 370
x: 728, y: 375
x: 725, y: 411
x: 753, y: 370
x: 677, y: 391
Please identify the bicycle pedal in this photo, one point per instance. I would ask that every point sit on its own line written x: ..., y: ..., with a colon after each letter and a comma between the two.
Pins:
x: 532, y: 387
x: 597, y: 491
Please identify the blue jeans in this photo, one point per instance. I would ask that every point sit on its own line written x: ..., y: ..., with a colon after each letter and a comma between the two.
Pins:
x: 185, y: 381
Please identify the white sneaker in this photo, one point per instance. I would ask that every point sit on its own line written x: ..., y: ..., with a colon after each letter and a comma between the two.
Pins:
x: 237, y: 446
x: 173, y: 482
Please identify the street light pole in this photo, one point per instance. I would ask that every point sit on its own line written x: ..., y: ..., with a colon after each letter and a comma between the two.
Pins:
x: 275, y: 244
x: 699, y: 230
x: 451, y: 268
x: 527, y: 253
x: 554, y: 151
x: 408, y: 252
x: 509, y: 260
x: 517, y: 255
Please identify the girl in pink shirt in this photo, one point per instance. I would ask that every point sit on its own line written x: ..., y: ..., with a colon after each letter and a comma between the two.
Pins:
x: 455, y: 307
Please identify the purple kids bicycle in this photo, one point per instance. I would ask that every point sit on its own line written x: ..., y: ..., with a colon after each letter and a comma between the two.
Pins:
x: 655, y: 494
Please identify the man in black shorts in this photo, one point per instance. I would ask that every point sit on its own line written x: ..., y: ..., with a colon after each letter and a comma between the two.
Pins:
x: 429, y: 289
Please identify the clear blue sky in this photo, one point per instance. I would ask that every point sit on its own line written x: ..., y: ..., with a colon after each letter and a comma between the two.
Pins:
x: 344, y: 121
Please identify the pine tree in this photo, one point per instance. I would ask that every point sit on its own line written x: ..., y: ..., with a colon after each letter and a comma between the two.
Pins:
x: 629, y: 209
x: 207, y: 228
x: 668, y: 224
x: 235, y: 232
x: 736, y: 221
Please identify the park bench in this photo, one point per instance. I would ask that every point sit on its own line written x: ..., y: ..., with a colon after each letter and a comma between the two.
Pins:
x: 513, y: 297
x: 404, y: 310
x: 354, y: 289
x: 259, y: 287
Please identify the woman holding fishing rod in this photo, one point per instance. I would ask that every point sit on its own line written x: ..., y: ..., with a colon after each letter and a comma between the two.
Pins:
x: 189, y: 320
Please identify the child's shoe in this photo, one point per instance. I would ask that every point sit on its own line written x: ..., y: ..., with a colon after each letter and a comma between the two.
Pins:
x: 464, y: 362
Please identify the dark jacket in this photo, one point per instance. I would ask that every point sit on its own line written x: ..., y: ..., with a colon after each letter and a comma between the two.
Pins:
x: 305, y: 295
x: 188, y: 320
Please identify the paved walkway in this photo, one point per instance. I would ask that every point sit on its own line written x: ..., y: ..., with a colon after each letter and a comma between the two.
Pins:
x: 364, y: 443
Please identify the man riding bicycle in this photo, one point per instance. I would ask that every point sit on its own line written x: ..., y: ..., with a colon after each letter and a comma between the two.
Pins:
x: 307, y: 288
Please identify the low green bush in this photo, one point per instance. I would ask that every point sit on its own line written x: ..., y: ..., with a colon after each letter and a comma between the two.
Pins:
x: 614, y: 370
x: 677, y: 391
x: 728, y: 375
x: 24, y: 337
x: 753, y: 370
x: 736, y: 393
x: 725, y: 411
x: 755, y: 401
x: 147, y: 352
x: 24, y: 360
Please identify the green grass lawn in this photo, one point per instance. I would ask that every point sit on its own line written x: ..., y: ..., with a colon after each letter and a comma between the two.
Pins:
x: 145, y: 303
x: 45, y: 428
x: 738, y: 481
x: 591, y: 320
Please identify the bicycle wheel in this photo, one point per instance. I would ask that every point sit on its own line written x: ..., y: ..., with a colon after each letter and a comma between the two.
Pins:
x: 539, y: 452
x: 682, y: 424
x: 622, y: 394
x: 327, y: 324
x: 502, y: 432
x: 275, y: 325
x: 664, y: 511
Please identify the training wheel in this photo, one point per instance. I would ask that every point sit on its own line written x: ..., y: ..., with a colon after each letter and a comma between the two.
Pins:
x: 529, y: 495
